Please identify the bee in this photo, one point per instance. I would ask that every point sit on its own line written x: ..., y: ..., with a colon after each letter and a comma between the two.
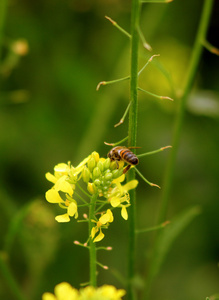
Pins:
x: 123, y: 153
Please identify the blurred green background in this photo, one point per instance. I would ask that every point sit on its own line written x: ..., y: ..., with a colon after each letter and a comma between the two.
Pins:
x: 50, y: 112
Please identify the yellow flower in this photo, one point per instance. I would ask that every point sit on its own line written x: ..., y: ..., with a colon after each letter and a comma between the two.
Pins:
x: 64, y: 186
x: 65, y: 176
x: 126, y: 187
x: 105, y: 292
x: 59, y: 170
x: 109, y: 292
x: 60, y: 179
x: 101, y: 178
x: 53, y: 196
x: 70, y: 204
x: 64, y: 291
x: 119, y: 194
x: 75, y: 171
x: 104, y: 221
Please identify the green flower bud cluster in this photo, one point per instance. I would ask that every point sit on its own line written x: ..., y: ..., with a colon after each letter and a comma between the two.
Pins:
x: 99, y: 173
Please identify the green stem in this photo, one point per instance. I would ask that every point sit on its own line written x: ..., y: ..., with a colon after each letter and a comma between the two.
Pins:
x: 11, y: 281
x: 153, y: 152
x: 132, y: 133
x: 168, y: 179
x: 92, y: 245
x: 158, y: 227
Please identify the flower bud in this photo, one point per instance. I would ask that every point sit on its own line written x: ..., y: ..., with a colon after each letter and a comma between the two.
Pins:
x: 100, y: 165
x: 96, y: 156
x: 108, y: 176
x: 96, y: 172
x: 97, y: 182
x: 86, y: 174
x: 91, y: 188
x: 100, y: 191
x: 105, y: 188
x: 107, y: 163
x: 113, y: 165
x: 117, y: 173
x: 91, y: 164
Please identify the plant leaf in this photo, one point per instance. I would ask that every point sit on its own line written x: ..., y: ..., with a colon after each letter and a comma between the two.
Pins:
x: 171, y: 232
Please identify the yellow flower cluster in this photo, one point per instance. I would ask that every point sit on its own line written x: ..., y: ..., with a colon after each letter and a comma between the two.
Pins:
x: 64, y: 179
x: 64, y: 291
x: 103, y: 179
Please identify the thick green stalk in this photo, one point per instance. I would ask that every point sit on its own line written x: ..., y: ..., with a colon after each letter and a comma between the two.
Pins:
x: 132, y: 133
x: 168, y: 179
x: 92, y: 245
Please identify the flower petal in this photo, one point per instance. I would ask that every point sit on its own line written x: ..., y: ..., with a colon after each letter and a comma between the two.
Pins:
x: 79, y: 168
x: 99, y: 237
x: 53, y: 196
x: 51, y: 177
x: 72, y: 209
x: 110, y: 292
x: 124, y: 213
x: 64, y: 291
x: 107, y: 217
x: 62, y: 168
x: 62, y: 218
x: 63, y: 185
x: 115, y: 201
x: 93, y: 231
x: 88, y: 292
x: 104, y: 219
x: 109, y: 212
x: 119, y: 179
x: 130, y: 185
x: 48, y: 296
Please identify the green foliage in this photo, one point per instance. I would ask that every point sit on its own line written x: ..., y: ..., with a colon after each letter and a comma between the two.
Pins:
x: 169, y: 234
x: 50, y: 112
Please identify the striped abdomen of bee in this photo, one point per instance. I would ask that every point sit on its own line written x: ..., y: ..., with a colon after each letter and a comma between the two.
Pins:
x: 123, y: 153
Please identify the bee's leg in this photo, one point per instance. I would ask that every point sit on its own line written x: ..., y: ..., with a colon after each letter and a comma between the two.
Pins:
x: 117, y: 164
x: 126, y: 169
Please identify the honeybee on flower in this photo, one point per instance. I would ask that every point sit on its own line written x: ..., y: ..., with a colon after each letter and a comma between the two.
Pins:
x: 103, y: 178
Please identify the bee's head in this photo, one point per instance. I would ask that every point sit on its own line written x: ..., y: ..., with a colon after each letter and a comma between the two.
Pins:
x: 110, y: 154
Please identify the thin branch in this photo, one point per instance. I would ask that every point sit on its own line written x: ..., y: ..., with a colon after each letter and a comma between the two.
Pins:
x: 154, y: 95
